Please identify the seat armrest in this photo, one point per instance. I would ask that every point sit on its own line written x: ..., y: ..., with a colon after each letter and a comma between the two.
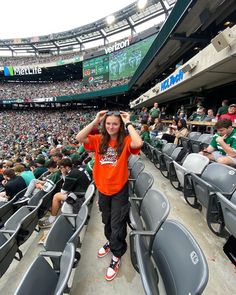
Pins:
x: 53, y: 254
x: 142, y: 233
x: 7, y: 231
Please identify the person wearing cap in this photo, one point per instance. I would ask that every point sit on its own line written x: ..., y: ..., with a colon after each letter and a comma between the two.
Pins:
x: 222, y: 148
x: 231, y: 115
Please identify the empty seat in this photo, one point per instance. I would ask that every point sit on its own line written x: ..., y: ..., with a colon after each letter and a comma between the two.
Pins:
x: 185, y: 141
x: 137, y: 168
x: 195, y: 163
x: 64, y: 231
x: 143, y: 183
x: 131, y: 161
x: 229, y: 212
x: 41, y: 278
x: 147, y: 219
x: 215, y: 178
x: 8, y: 208
x: 176, y: 257
x: 203, y: 141
x: 166, y: 159
x: 168, y: 149
x: 8, y: 249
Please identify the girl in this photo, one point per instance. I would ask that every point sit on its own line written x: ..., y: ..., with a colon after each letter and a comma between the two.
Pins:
x: 112, y: 149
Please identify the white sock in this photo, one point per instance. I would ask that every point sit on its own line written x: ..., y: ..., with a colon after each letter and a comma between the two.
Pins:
x: 51, y: 218
x: 115, y: 258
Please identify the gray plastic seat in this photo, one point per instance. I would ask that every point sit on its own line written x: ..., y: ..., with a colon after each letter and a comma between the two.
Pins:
x: 168, y: 149
x: 185, y: 141
x: 26, y: 218
x: 194, y: 163
x: 7, y: 208
x: 8, y: 249
x: 215, y: 178
x: 63, y: 232
x: 166, y: 159
x: 177, y: 257
x: 153, y: 211
x: 143, y: 183
x: 42, y: 279
x: 229, y: 212
x: 131, y: 161
x: 203, y: 141
x: 137, y: 168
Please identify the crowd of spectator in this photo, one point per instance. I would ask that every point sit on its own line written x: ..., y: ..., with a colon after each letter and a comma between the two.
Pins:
x: 29, y: 91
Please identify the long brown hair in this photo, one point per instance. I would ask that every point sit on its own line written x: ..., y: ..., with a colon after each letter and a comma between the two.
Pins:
x: 106, y: 138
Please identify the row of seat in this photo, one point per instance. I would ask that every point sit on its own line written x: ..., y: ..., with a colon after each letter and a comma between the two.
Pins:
x: 162, y: 250
x: 211, y: 185
x: 18, y: 223
x: 61, y: 248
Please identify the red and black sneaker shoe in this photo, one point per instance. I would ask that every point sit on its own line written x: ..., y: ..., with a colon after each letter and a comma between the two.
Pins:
x: 104, y: 250
x: 112, y: 270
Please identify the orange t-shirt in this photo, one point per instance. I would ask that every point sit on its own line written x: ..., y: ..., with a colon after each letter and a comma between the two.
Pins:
x: 110, y: 172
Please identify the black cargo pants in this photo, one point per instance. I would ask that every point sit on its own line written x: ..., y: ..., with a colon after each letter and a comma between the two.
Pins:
x: 115, y: 214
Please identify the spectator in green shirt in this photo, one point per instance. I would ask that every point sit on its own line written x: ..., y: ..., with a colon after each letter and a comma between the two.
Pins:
x: 223, y: 109
x: 222, y: 148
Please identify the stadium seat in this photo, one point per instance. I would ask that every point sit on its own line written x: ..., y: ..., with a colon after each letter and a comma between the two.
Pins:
x: 166, y: 159
x: 185, y: 141
x: 8, y: 208
x: 195, y: 163
x: 168, y: 148
x: 228, y: 208
x: 131, y: 161
x: 215, y: 178
x: 42, y: 278
x: 8, y: 249
x: 147, y: 219
x: 137, y: 168
x: 63, y: 231
x: 176, y: 257
x: 26, y: 218
x: 202, y: 142
x: 143, y: 183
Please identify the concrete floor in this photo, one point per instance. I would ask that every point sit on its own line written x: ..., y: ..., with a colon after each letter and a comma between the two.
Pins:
x: 88, y: 278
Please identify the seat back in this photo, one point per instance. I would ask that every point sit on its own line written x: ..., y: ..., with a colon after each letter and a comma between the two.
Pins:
x: 195, y: 163
x: 26, y: 218
x: 178, y: 258
x: 229, y: 212
x: 154, y: 209
x: 143, y: 184
x: 63, y: 231
x: 137, y: 168
x: 221, y: 177
x: 197, y: 145
x: 89, y: 193
x: 8, y: 249
x: 7, y: 208
x: 131, y: 161
x: 41, y: 278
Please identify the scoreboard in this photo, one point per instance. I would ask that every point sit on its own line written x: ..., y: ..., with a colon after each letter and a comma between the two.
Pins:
x: 96, y: 70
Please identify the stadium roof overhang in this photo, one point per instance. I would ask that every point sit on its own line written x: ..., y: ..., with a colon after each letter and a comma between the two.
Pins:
x: 198, y: 24
x: 126, y: 18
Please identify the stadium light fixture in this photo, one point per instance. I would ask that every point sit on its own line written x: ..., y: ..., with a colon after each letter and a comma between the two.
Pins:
x: 110, y: 19
x: 141, y: 4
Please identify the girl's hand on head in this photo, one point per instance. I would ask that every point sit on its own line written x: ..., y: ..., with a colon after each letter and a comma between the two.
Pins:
x: 100, y: 116
x: 125, y: 116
